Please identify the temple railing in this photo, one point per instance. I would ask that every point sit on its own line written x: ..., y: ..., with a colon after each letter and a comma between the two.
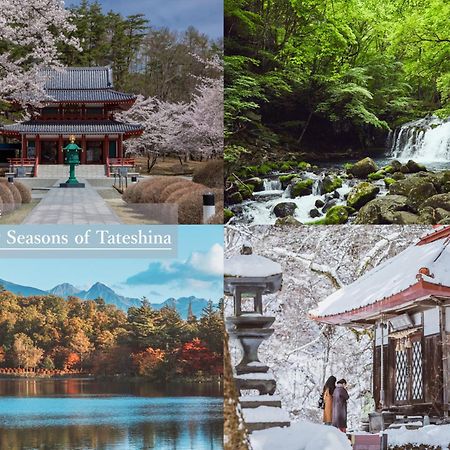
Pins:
x: 24, y: 162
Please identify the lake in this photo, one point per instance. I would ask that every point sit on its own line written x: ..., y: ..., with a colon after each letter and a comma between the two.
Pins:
x: 84, y: 414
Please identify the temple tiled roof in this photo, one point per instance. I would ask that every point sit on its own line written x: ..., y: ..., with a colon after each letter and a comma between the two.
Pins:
x: 89, y: 95
x: 78, y: 78
x: 71, y: 127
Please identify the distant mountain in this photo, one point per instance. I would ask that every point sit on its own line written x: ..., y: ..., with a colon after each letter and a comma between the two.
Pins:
x: 64, y: 290
x: 182, y: 305
x: 21, y: 290
x: 100, y: 290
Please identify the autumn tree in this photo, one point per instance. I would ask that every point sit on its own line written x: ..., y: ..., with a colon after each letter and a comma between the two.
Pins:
x: 25, y: 354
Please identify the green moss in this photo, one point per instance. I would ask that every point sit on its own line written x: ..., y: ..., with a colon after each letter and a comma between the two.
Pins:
x: 388, y: 181
x: 302, y: 188
x: 379, y: 175
x: 264, y: 169
x: 285, y: 167
x: 284, y: 179
x: 338, y: 215
x: 302, y: 165
x: 246, y: 191
x: 331, y: 184
x: 235, y: 197
x: 389, y: 169
x: 227, y: 215
x: 348, y: 166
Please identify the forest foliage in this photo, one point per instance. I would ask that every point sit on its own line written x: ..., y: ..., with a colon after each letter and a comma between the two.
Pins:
x: 302, y: 71
x: 49, y: 332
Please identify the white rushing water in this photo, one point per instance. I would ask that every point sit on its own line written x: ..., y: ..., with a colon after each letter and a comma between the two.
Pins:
x: 260, y: 210
x: 424, y: 140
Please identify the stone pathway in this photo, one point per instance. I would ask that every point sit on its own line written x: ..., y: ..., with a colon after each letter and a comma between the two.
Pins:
x: 72, y: 206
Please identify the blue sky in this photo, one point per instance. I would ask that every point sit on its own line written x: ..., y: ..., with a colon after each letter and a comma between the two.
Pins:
x: 198, y: 270
x: 205, y: 15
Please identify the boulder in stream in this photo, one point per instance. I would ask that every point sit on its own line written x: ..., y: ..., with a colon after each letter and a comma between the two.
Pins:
x: 361, y: 194
x: 302, y: 188
x: 381, y: 210
x: 284, y: 209
x: 362, y: 168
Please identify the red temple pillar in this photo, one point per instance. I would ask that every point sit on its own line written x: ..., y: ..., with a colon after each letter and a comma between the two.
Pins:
x: 37, y: 147
x: 105, y: 149
x: 23, y: 149
x: 83, y: 146
x: 60, y: 150
x: 120, y: 146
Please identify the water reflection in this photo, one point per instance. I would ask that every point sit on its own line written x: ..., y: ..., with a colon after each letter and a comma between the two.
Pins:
x: 83, y: 414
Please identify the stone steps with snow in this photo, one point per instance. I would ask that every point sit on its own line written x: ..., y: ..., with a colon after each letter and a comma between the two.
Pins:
x: 264, y: 417
x: 50, y: 171
x: 262, y: 382
x: 254, y: 401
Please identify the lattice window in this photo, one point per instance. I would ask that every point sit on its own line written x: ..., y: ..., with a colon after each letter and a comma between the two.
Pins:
x: 401, y: 376
x: 417, y: 376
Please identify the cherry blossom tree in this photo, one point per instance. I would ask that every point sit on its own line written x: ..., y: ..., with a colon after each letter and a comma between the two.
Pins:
x: 162, y: 122
x: 180, y: 129
x: 30, y: 35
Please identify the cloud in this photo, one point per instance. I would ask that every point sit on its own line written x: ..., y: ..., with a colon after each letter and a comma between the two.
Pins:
x: 202, y: 267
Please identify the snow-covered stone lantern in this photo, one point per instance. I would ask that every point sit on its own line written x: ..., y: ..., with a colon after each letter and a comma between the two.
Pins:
x: 248, y: 278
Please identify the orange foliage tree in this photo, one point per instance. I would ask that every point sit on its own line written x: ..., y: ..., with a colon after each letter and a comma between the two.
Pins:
x: 194, y: 357
x: 148, y: 361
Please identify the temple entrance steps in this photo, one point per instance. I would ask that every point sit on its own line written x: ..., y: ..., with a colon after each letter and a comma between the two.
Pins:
x: 56, y: 171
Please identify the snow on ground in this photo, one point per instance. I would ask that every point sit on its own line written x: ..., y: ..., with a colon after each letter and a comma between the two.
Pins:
x: 433, y: 435
x: 317, y: 261
x: 300, y: 436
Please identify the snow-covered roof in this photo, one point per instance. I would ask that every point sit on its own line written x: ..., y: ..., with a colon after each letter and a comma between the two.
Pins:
x: 395, y: 276
x: 251, y: 266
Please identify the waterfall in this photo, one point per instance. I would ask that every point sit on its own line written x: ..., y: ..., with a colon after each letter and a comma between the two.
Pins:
x: 272, y: 185
x: 423, y: 140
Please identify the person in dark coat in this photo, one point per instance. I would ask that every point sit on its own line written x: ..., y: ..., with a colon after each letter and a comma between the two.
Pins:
x: 340, y: 398
x: 327, y: 393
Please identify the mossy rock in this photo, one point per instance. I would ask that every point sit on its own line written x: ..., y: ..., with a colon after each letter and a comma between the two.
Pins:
x: 396, y: 165
x: 338, y: 215
x: 288, y: 220
x: 227, y: 215
x: 388, y: 169
x: 388, y: 181
x: 381, y: 210
x: 302, y: 165
x: 256, y: 182
x: 414, y: 167
x: 246, y: 191
x: 379, y: 175
x: 362, y: 168
x: 285, y: 179
x: 302, y: 188
x: 329, y: 184
x: 348, y: 166
x: 361, y: 194
x: 264, y: 169
x: 398, y: 176
x: 234, y: 198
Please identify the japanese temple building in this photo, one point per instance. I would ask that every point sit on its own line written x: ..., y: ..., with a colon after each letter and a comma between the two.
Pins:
x: 81, y: 102
x: 406, y: 300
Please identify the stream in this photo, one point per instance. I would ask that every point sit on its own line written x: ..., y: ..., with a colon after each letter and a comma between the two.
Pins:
x: 426, y: 141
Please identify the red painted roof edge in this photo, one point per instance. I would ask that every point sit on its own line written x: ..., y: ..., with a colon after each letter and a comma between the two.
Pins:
x: 418, y: 290
x: 435, y: 236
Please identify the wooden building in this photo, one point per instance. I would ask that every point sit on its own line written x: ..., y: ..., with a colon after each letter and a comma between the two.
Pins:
x: 406, y: 301
x: 81, y: 102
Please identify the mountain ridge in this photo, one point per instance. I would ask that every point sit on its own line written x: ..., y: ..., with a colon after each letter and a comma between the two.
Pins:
x: 100, y: 290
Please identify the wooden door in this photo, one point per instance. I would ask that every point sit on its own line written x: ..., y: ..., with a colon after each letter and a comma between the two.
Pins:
x: 409, y: 387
